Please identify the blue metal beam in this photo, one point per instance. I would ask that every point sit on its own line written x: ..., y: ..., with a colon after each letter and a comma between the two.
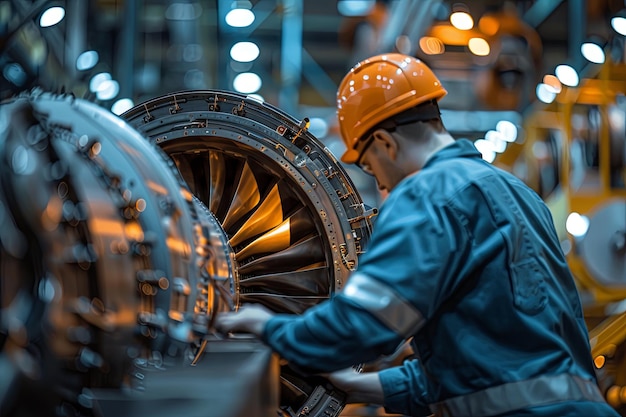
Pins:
x: 540, y: 11
x: 291, y: 56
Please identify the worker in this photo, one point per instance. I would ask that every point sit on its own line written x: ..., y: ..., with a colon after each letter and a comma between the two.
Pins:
x: 463, y: 260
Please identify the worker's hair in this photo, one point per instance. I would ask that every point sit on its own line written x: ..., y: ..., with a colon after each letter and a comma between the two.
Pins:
x: 422, y: 116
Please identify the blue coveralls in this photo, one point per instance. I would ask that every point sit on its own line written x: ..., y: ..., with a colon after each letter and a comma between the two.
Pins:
x: 464, y: 257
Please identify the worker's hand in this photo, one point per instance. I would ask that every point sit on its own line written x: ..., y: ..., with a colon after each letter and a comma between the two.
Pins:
x: 359, y: 387
x: 249, y: 319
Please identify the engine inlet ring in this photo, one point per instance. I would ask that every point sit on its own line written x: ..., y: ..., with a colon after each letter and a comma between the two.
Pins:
x: 291, y: 212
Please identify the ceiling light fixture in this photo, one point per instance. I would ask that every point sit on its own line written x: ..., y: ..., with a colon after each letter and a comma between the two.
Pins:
x: 51, y: 16
x: 461, y: 18
x: 567, y: 75
x: 247, y: 83
x: 618, y: 22
x: 545, y: 93
x: 240, y: 15
x: 593, y: 49
x: 244, y: 51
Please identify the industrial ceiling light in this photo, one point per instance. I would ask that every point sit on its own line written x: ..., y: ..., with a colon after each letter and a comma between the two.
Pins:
x: 593, y: 49
x: 107, y: 90
x: 576, y: 224
x: 97, y: 80
x: 121, y: 105
x: 618, y: 22
x: 51, y: 16
x: 479, y: 46
x: 507, y: 130
x: 352, y: 8
x: 87, y: 60
x: 498, y: 142
x: 240, y: 15
x: 244, y: 51
x: 567, y: 75
x: 553, y: 82
x: 431, y: 45
x: 545, y: 93
x: 486, y: 149
x: 247, y: 83
x: 460, y: 17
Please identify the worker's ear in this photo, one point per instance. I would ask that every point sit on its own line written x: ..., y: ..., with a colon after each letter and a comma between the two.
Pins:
x: 388, y: 142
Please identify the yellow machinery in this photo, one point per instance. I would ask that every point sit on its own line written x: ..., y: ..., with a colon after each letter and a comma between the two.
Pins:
x: 574, y: 155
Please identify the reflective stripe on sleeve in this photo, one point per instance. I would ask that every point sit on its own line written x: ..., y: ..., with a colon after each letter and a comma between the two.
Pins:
x: 384, y: 303
x: 519, y: 395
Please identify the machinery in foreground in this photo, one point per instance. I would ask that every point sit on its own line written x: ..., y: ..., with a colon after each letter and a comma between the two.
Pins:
x: 122, y: 240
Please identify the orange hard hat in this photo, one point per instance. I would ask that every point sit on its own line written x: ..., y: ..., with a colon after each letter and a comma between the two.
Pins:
x: 379, y: 88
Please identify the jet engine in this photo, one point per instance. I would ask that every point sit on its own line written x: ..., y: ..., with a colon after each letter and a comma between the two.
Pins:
x: 121, y: 239
x: 108, y: 261
x: 292, y: 215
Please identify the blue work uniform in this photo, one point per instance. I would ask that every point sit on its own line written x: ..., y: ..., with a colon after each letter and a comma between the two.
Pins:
x: 465, y: 259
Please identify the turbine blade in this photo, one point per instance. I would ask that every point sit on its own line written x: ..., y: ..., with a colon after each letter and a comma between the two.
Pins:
x: 268, y: 215
x: 217, y: 179
x: 306, y: 252
x: 275, y: 240
x: 282, y: 303
x: 308, y: 282
x: 245, y: 198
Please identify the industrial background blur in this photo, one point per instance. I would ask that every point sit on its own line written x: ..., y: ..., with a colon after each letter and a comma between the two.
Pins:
x: 294, y: 53
x: 538, y: 85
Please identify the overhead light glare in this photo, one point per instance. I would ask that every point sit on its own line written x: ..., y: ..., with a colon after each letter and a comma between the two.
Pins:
x: 553, y: 82
x: 107, y: 90
x: 51, y: 16
x: 97, y: 80
x: 121, y: 105
x: 460, y: 17
x: 240, y: 18
x: 489, y: 25
x: 499, y: 144
x: 567, y: 75
x: 431, y: 45
x: 244, y: 51
x: 577, y: 225
x: 87, y: 60
x: 15, y: 74
x: 486, y: 149
x: 352, y: 8
x: 507, y: 130
x: 593, y: 52
x: 619, y: 24
x: 545, y: 93
x: 247, y: 83
x: 479, y: 46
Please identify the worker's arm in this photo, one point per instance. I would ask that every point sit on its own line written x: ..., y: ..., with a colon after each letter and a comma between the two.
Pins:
x: 400, y: 281
x: 359, y: 387
x: 402, y: 389
x: 249, y: 319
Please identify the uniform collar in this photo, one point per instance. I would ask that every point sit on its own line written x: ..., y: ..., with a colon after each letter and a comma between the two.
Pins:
x: 461, y: 148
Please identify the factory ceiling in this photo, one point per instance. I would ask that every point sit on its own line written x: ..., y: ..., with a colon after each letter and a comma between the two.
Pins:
x: 154, y: 47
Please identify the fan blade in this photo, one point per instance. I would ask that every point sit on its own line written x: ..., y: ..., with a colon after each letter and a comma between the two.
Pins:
x: 245, y: 199
x: 305, y: 252
x: 275, y: 240
x: 217, y: 174
x: 281, y: 237
x: 282, y: 303
x: 268, y: 215
x: 299, y: 283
